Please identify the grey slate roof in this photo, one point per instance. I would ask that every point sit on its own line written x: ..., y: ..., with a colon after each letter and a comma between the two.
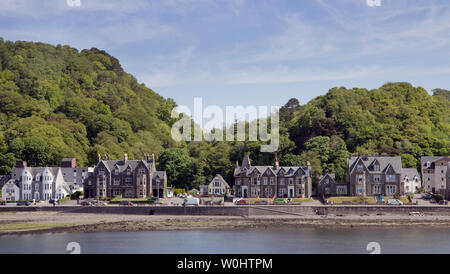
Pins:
x: 218, y: 176
x: 410, y: 173
x: 262, y: 169
x: 431, y: 159
x: 384, y: 161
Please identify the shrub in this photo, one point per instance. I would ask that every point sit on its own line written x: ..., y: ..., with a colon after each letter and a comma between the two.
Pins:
x: 397, y: 196
x: 438, y: 197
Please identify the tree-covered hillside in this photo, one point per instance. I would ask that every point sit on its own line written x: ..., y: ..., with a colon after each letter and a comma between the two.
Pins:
x: 396, y: 119
x: 58, y: 102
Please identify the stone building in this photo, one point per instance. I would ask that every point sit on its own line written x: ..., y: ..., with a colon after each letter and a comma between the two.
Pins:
x: 328, y: 186
x: 374, y: 175
x: 126, y: 178
x: 272, y: 181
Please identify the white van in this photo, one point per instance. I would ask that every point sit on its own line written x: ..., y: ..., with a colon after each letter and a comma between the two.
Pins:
x: 191, y: 202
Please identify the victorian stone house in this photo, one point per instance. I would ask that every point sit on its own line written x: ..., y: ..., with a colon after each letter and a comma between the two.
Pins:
x: 126, y: 178
x: 272, y: 181
x: 375, y: 175
x: 328, y: 186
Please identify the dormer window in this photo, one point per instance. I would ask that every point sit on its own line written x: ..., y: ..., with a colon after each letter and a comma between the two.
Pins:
x: 428, y: 164
x: 376, y: 167
x: 359, y: 168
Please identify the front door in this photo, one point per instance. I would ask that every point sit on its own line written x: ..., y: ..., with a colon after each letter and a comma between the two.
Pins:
x: 36, y: 196
x: 291, y: 191
x: 244, y: 192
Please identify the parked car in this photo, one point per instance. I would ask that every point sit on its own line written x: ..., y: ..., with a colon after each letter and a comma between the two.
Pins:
x: 427, y: 196
x: 262, y: 202
x: 86, y: 203
x: 242, y: 202
x: 2, y: 203
x: 100, y: 203
x: 23, y: 203
x: 191, y: 202
x: 53, y: 201
x: 125, y: 203
x: 394, y: 202
x: 280, y: 201
x: 443, y: 202
x: 155, y: 200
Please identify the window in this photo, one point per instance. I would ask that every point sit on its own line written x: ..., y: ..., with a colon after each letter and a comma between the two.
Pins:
x: 390, y: 178
x: 282, y: 181
x: 291, y: 181
x: 116, y: 181
x: 391, y: 190
x: 299, y: 181
x: 376, y: 167
x: 376, y: 178
x: 360, y: 190
x: 377, y: 189
x: 265, y: 181
x: 360, y: 178
x: 271, y: 180
x: 238, y: 182
x: 359, y: 168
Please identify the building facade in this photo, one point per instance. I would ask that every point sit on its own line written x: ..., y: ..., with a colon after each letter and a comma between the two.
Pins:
x: 328, y: 186
x: 411, y: 180
x: 10, y: 191
x: 374, y: 175
x: 219, y: 187
x: 126, y: 178
x: 435, y: 173
x: 46, y: 183
x: 272, y: 181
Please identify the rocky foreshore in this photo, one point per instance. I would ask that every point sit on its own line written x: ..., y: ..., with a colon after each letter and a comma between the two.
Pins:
x: 58, y: 222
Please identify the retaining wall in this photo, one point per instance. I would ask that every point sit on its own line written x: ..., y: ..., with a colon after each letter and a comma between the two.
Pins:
x: 300, y: 210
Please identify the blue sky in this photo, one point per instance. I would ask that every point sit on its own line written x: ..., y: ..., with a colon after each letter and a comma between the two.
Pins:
x: 260, y: 52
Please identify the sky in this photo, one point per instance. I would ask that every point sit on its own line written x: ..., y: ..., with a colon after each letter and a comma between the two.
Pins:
x: 249, y: 52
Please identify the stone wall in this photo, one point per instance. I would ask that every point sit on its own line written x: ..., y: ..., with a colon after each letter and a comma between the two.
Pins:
x: 280, y: 210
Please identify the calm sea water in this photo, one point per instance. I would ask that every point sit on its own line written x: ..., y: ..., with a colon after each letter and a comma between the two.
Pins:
x: 304, y: 240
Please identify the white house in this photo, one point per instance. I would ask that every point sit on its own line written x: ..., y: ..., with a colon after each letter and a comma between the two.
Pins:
x: 410, y: 178
x: 218, y: 186
x: 45, y: 183
x: 10, y: 191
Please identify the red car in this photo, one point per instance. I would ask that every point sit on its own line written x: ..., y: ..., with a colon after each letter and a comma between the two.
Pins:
x: 85, y: 203
x: 242, y: 202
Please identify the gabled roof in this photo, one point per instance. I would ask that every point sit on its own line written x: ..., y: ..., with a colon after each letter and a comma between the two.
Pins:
x: 410, y: 173
x: 326, y: 175
x: 123, y: 165
x: 220, y: 178
x: 384, y: 161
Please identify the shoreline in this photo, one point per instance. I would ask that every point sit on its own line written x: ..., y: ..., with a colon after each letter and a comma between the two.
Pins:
x: 20, y: 223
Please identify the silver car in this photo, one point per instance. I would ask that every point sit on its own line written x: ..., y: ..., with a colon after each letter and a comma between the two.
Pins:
x: 394, y: 202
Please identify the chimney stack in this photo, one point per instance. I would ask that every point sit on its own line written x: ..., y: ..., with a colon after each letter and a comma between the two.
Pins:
x: 153, y: 163
x: 277, y: 163
x: 125, y: 157
x: 99, y: 157
x: 21, y: 164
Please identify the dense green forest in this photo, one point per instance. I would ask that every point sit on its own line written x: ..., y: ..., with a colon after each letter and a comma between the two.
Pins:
x: 57, y: 102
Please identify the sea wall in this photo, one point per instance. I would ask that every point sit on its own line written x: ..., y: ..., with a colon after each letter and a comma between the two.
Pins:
x: 293, y: 210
